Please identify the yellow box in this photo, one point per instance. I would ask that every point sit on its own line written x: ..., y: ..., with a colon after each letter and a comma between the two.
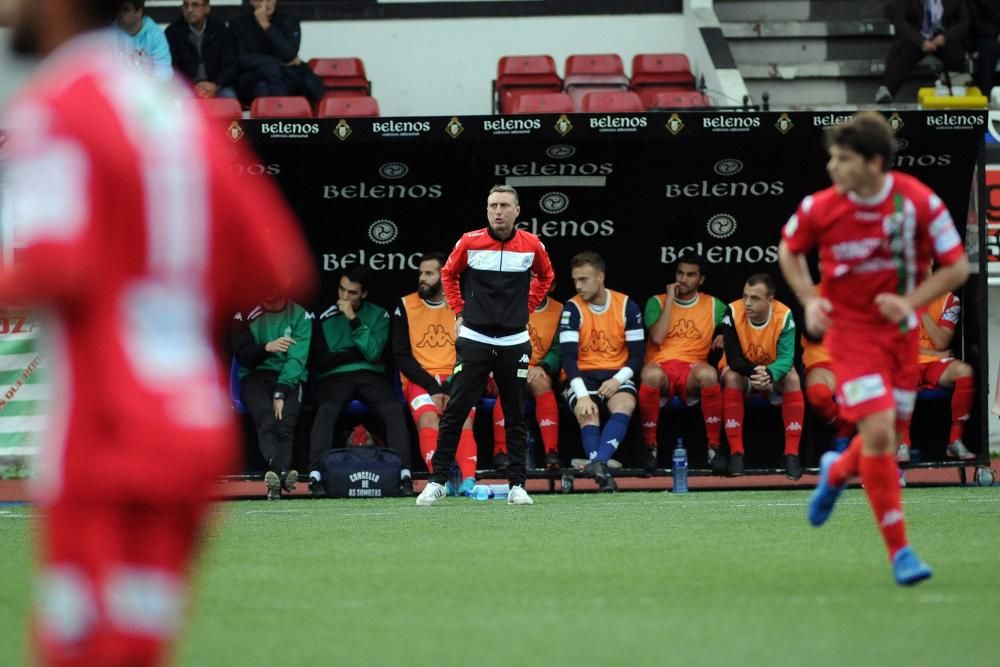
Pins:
x: 973, y: 99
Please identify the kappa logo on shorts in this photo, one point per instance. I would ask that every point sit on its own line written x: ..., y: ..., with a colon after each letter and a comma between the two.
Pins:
x: 864, y: 388
x: 524, y: 359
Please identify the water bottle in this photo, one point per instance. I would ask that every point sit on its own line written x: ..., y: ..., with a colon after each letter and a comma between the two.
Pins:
x: 487, y: 491
x: 680, y: 470
x: 288, y: 332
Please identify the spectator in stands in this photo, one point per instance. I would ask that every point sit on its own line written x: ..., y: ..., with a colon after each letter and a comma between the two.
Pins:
x: 269, y: 60
x: 271, y: 344
x: 204, y: 50
x: 601, y: 337
x: 923, y: 28
x: 141, y: 41
x: 759, y: 337
x: 423, y: 347
x: 681, y: 328
x: 985, y: 20
x: 348, y: 343
x: 938, y: 368
x: 543, y: 328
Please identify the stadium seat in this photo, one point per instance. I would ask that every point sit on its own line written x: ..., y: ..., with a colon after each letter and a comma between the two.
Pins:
x: 611, y: 101
x: 679, y: 99
x: 662, y: 69
x: 333, y: 106
x: 542, y: 103
x: 593, y: 73
x: 342, y: 76
x: 517, y: 75
x: 221, y: 108
x: 280, y: 107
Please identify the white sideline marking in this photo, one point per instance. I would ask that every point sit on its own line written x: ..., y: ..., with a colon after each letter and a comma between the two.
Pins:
x: 275, y: 512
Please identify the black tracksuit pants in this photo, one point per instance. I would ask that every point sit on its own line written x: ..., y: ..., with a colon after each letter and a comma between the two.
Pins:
x: 475, y: 361
x: 336, y: 391
x: 274, y: 437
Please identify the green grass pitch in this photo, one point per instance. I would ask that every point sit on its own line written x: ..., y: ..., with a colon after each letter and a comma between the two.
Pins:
x: 709, y: 578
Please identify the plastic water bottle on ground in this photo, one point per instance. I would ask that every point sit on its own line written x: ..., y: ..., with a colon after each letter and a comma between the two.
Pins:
x: 680, y: 469
x: 487, y: 491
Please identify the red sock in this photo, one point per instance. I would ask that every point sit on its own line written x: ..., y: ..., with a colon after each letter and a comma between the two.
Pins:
x: 649, y: 412
x: 466, y: 455
x: 961, y: 404
x: 820, y: 399
x: 903, y: 430
x: 848, y: 464
x: 547, y: 414
x: 732, y: 412
x: 711, y: 410
x: 793, y: 409
x: 499, y: 432
x: 878, y: 474
x: 428, y: 441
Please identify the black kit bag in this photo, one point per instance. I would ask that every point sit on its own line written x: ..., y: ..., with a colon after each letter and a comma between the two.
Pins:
x: 362, y: 472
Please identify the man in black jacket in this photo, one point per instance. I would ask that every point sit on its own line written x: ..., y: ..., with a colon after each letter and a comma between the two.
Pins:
x: 985, y: 30
x: 269, y: 55
x: 923, y: 28
x: 203, y: 50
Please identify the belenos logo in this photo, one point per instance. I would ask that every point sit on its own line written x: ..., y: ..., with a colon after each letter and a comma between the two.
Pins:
x: 553, y: 202
x: 383, y: 231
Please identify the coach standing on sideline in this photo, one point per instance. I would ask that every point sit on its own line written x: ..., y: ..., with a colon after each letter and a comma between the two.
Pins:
x: 507, y: 274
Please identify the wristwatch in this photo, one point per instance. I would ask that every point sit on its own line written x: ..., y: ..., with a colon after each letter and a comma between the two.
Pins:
x: 278, y: 396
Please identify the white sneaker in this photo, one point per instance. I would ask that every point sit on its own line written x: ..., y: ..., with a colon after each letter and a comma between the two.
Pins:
x: 518, y: 496
x: 431, y: 494
x: 958, y: 450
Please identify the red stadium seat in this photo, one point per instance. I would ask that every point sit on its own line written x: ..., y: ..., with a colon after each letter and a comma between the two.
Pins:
x: 342, y: 76
x: 334, y: 106
x: 680, y: 99
x: 662, y: 69
x: 517, y: 75
x: 543, y: 103
x: 611, y: 101
x: 594, y: 73
x: 649, y: 93
x: 221, y: 108
x: 280, y: 107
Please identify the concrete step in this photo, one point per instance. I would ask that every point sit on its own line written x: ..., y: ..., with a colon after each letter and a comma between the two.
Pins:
x: 814, y: 70
x: 802, y: 29
x: 806, y: 50
x: 798, y: 10
x: 807, y: 93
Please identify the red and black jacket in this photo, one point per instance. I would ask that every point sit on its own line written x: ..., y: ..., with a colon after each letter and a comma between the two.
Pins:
x: 495, y: 284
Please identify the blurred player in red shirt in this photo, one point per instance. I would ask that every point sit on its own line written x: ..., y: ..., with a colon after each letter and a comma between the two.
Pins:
x: 876, y: 230
x: 140, y: 239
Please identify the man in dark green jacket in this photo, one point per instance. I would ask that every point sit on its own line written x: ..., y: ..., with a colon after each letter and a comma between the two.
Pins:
x: 346, y: 356
x: 271, y: 344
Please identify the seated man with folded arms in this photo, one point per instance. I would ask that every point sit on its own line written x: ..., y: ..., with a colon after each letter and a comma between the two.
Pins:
x: 759, y: 336
x: 423, y: 347
x: 602, y: 340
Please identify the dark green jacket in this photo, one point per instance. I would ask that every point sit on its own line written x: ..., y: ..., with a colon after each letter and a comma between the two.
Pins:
x: 341, y: 345
x: 253, y: 331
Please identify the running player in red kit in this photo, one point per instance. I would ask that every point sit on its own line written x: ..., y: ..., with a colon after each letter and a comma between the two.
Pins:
x: 139, y: 237
x: 877, y: 231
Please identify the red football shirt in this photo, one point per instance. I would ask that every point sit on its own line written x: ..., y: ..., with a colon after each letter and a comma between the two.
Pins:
x: 136, y: 231
x: 872, y: 245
